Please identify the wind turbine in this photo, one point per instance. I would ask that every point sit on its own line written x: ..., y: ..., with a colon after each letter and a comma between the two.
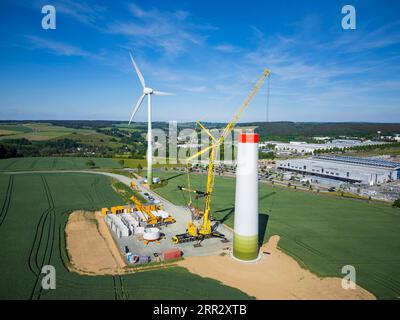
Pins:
x: 147, y: 91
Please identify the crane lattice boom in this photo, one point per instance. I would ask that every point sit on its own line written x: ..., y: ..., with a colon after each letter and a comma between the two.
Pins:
x: 205, y: 228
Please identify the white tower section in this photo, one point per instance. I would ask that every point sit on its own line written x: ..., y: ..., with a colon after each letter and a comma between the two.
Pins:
x: 245, y: 240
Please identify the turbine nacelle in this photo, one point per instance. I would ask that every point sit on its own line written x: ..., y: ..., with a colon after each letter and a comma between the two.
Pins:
x: 148, y: 91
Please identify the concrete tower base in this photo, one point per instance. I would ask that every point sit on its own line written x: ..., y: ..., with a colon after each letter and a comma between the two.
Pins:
x: 245, y: 247
x: 258, y: 258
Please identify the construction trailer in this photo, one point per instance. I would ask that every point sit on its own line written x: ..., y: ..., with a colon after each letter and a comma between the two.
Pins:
x: 117, y: 210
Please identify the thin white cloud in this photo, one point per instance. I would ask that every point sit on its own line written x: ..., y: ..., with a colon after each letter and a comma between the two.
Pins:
x: 170, y: 31
x: 360, y: 40
x: 198, y: 89
x: 56, y: 47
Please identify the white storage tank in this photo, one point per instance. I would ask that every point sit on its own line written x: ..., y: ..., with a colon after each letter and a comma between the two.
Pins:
x: 151, y: 234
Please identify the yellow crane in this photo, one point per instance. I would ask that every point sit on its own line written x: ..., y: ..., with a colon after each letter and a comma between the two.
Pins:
x: 153, y: 220
x: 193, y: 232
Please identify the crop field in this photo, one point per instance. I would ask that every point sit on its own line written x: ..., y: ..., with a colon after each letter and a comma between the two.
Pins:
x: 15, y: 128
x: 34, y: 211
x: 322, y: 232
x: 133, y: 163
x: 55, y: 163
x: 93, y: 139
x: 37, y: 131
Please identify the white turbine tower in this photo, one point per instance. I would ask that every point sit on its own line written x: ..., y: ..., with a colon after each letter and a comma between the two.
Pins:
x: 147, y: 92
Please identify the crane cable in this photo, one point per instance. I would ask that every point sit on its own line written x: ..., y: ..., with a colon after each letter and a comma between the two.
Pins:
x: 268, y: 96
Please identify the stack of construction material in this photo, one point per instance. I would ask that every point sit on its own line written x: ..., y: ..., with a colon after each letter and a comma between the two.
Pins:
x: 108, y: 220
x: 111, y: 221
x: 116, y: 225
x: 130, y: 221
x: 142, y: 215
x: 122, y: 230
x: 136, y: 216
x: 139, y: 230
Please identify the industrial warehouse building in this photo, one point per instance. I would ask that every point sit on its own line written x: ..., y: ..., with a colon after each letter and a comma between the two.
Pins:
x: 309, y: 148
x: 351, y: 169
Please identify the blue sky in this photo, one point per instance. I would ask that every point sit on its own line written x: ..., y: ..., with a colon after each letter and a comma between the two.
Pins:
x: 209, y: 53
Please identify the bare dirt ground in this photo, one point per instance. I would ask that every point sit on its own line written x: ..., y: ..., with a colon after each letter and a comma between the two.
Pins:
x: 275, y: 276
x: 90, y: 246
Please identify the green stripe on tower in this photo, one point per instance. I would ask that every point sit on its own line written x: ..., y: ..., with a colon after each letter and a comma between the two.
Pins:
x: 245, y: 247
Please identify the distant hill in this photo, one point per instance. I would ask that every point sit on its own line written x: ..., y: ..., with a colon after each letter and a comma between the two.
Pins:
x: 311, y: 129
x: 270, y: 130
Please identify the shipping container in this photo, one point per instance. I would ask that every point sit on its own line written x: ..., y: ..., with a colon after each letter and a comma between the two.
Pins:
x: 171, y: 254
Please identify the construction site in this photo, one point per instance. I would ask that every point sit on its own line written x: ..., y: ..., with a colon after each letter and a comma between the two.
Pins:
x: 145, y: 232
x: 157, y: 230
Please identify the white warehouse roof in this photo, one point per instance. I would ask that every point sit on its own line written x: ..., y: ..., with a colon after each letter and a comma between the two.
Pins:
x: 369, y: 171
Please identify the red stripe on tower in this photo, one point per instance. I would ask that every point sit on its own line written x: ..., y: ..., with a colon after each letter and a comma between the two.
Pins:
x: 248, y: 138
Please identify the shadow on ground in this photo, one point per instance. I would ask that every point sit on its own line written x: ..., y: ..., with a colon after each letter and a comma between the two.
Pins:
x: 262, y: 221
x: 175, y: 176
x: 262, y: 227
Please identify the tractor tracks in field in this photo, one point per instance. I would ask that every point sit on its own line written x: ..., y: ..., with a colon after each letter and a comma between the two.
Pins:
x: 311, y: 249
x: 386, y: 281
x: 33, y: 163
x: 7, y: 200
x: 43, y: 242
x: 54, y: 163
x: 96, y: 191
x: 119, y: 290
x: 8, y: 165
x: 87, y: 194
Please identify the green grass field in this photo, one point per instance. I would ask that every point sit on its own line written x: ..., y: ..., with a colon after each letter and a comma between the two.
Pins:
x: 55, y: 163
x: 16, y: 128
x: 133, y: 163
x: 322, y: 232
x: 34, y: 212
x: 38, y: 131
x: 94, y: 139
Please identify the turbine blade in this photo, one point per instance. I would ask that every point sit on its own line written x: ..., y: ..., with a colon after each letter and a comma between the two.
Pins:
x: 138, y: 104
x: 160, y: 93
x: 140, y: 76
